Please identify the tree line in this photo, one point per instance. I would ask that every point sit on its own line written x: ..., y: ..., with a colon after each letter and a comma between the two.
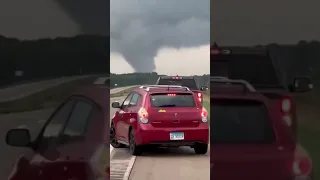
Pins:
x: 25, y: 60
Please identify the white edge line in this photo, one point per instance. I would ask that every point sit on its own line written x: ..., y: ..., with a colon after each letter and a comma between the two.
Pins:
x: 129, y: 168
x: 111, y: 152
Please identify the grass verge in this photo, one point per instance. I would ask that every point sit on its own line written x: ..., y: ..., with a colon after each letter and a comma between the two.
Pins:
x: 308, y: 137
x: 122, y: 93
x: 45, y: 99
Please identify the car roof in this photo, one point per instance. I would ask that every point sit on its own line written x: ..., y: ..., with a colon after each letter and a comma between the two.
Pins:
x: 225, y: 88
x: 162, y: 90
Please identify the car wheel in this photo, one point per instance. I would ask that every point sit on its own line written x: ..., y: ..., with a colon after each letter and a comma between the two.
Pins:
x: 113, y: 138
x: 133, y: 148
x: 201, y: 148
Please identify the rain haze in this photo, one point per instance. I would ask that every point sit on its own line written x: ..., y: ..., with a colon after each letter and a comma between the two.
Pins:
x: 250, y: 22
x: 169, y: 37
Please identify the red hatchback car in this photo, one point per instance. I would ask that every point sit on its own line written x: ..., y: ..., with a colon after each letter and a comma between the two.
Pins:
x: 249, y: 139
x: 160, y: 115
x: 73, y: 143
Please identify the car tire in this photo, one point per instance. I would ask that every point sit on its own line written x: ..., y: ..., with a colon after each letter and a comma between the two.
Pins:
x: 113, y: 139
x: 201, y: 148
x: 133, y: 148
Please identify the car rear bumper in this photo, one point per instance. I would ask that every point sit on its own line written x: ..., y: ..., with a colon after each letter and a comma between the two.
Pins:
x: 146, y: 134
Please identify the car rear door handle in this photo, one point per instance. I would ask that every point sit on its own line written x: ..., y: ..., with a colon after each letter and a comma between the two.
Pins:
x: 176, y: 121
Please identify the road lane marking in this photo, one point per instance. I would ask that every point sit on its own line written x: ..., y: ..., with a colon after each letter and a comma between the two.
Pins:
x: 118, y: 169
x: 129, y: 168
x: 111, y: 150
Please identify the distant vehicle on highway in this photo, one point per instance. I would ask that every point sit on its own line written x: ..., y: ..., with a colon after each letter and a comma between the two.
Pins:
x: 187, y: 81
x: 248, y: 138
x: 265, y: 75
x: 160, y: 115
x: 73, y: 143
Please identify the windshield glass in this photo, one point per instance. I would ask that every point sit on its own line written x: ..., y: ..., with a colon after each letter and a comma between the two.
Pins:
x: 172, y: 100
x: 239, y: 121
x: 256, y: 69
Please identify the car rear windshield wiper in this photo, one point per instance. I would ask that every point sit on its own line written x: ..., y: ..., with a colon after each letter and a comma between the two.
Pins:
x: 168, y: 105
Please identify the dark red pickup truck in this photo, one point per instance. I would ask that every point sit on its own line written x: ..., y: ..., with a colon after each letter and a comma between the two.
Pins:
x: 264, y: 74
x: 186, y: 81
x: 265, y: 87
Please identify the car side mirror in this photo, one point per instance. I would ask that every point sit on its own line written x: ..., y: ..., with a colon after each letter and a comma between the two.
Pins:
x: 18, y: 137
x: 116, y: 104
x: 301, y: 84
x: 204, y: 88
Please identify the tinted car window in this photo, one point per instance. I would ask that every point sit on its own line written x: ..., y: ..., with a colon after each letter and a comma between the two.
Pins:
x: 58, y: 120
x: 78, y: 120
x: 234, y: 121
x: 135, y: 99
x: 190, y: 83
x: 127, y: 100
x: 172, y: 100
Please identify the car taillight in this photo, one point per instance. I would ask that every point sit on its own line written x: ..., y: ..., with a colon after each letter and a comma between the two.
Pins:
x: 199, y: 95
x: 143, y: 115
x: 176, y: 77
x: 302, y: 167
x: 286, y: 107
x: 204, y: 115
x: 171, y: 94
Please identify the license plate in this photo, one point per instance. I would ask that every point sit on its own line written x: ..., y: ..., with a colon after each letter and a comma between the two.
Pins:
x: 176, y: 136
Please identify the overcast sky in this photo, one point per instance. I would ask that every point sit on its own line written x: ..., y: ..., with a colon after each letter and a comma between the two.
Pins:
x: 249, y: 22
x: 169, y: 37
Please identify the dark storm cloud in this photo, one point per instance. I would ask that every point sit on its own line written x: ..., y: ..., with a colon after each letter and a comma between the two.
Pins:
x: 33, y: 19
x: 92, y: 16
x: 139, y: 28
x: 249, y: 22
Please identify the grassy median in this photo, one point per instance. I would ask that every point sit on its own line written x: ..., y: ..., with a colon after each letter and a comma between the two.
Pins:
x: 45, y: 99
x: 309, y: 138
x: 309, y: 128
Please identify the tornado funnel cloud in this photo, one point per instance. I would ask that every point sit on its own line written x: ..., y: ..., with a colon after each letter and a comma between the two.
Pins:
x: 140, y: 28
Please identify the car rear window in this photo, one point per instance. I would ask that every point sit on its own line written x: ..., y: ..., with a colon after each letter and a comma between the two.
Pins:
x: 256, y: 69
x: 240, y: 121
x: 190, y: 83
x: 172, y: 100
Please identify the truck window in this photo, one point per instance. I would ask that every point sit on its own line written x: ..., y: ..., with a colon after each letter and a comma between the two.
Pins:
x: 258, y: 70
x: 190, y: 83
